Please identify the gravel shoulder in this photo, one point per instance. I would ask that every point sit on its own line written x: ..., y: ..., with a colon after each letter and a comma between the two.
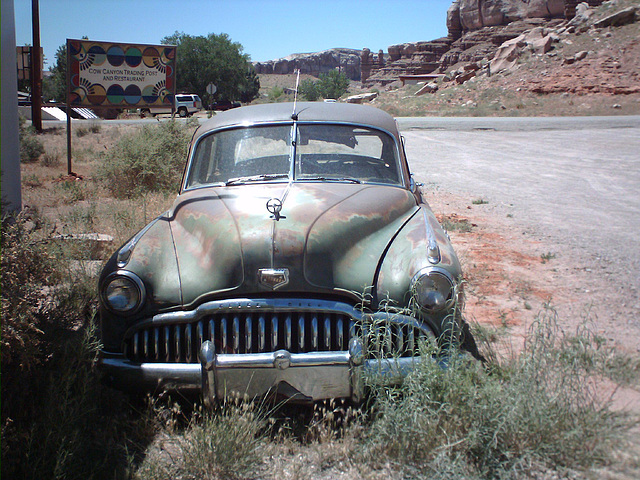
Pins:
x: 542, y: 213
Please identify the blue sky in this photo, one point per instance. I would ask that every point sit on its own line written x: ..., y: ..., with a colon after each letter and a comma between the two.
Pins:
x: 267, y: 29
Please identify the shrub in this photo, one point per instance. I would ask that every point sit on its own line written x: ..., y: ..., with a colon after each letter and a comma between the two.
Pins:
x: 31, y: 148
x: 58, y: 421
x: 275, y: 93
x: 28, y: 274
x: 72, y: 191
x: 151, y: 159
x: 333, y: 84
x: 309, y: 91
x: 537, y: 411
x: 221, y: 444
x: 93, y: 127
x: 51, y: 159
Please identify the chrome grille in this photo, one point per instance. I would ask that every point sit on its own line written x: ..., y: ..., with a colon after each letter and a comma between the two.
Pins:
x: 267, y: 331
x: 245, y: 332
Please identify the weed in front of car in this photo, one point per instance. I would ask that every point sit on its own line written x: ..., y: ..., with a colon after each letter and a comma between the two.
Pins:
x: 538, y: 410
x: 226, y: 442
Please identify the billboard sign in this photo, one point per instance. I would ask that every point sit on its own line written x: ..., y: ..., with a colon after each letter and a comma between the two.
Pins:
x: 117, y: 75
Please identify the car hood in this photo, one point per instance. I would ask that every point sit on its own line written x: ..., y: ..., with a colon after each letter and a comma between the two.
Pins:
x: 329, y: 236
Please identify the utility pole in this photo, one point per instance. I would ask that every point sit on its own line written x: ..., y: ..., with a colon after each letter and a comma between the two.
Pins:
x: 36, y: 69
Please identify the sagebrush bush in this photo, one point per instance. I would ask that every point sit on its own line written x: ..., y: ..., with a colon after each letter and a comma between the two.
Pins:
x: 93, y: 127
x: 31, y: 148
x: 29, y: 276
x: 222, y: 444
x: 536, y: 410
x: 150, y: 160
x: 58, y: 420
x: 51, y: 159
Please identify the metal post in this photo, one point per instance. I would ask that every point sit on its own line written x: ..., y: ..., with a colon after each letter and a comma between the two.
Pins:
x: 69, y: 169
x: 36, y: 69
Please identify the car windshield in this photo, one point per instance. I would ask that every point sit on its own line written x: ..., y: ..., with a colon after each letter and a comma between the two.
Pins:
x: 323, y: 153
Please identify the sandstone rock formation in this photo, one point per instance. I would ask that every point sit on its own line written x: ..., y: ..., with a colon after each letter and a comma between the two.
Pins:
x: 347, y: 60
x: 467, y: 15
x: 476, y: 29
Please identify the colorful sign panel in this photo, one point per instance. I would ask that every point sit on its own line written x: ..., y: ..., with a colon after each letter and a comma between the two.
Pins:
x: 104, y: 74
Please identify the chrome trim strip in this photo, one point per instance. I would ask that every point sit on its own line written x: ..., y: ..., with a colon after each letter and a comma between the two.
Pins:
x: 327, y: 332
x: 223, y: 332
x: 266, y: 304
x: 167, y: 344
x: 188, y: 340
x: 124, y: 254
x: 145, y: 344
x: 287, y: 326
x: 262, y: 333
x: 274, y: 331
x: 235, y: 335
x: 301, y: 325
x: 177, y: 343
x: 248, y: 333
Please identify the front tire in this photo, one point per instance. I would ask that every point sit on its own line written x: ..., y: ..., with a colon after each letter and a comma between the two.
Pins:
x: 182, y: 112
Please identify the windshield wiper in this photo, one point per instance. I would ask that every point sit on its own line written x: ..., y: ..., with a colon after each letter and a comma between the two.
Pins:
x: 256, y: 178
x: 333, y: 179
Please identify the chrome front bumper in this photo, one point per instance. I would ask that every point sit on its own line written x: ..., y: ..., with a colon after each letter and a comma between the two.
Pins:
x: 299, y: 349
x: 298, y: 378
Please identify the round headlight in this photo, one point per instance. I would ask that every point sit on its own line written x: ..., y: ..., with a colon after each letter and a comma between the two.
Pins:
x: 123, y: 292
x: 434, y: 290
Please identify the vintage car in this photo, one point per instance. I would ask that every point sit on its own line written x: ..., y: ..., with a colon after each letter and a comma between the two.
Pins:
x: 298, y: 257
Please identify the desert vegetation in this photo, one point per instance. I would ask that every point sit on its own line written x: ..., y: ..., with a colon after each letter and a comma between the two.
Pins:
x: 530, y: 409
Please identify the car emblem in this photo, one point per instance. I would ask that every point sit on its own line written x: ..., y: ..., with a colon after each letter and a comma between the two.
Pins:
x: 274, y: 206
x: 273, y: 277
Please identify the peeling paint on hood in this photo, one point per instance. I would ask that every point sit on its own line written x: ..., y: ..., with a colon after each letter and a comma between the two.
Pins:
x: 329, y: 236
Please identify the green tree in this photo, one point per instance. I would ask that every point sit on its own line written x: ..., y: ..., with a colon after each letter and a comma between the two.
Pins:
x: 333, y: 84
x: 308, y: 89
x: 212, y: 59
x: 55, y: 86
x: 250, y: 88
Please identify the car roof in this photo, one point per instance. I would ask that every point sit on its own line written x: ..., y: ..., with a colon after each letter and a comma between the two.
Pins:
x: 307, y: 112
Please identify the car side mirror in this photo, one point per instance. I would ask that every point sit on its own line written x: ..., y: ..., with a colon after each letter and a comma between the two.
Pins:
x: 413, y: 185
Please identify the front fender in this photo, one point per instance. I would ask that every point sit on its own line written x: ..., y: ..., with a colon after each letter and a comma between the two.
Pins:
x: 411, y: 251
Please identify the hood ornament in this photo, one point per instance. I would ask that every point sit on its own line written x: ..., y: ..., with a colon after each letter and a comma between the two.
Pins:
x: 274, y: 206
x: 273, y: 277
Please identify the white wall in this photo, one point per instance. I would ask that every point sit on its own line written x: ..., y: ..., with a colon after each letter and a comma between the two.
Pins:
x: 11, y: 186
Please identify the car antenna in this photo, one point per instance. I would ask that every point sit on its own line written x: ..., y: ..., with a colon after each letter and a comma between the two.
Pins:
x: 294, y: 115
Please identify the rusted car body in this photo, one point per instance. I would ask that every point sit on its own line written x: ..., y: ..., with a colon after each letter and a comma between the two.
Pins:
x: 298, y: 257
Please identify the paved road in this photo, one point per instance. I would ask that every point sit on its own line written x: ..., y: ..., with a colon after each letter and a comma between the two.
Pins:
x: 572, y: 181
